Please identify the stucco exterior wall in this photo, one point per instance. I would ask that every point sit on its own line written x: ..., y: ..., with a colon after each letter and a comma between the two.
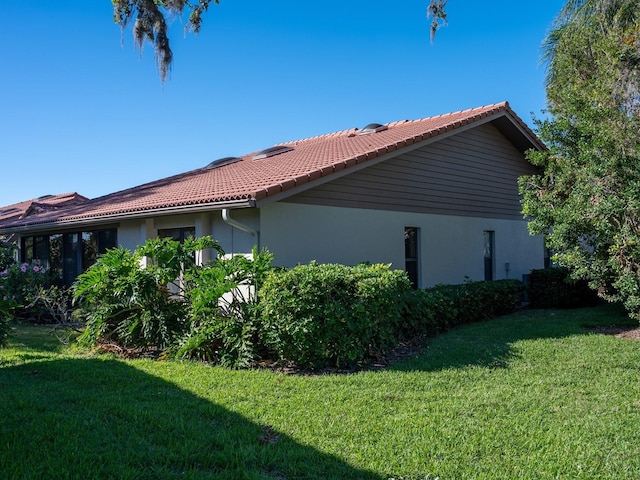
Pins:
x: 232, y: 240
x: 451, y: 247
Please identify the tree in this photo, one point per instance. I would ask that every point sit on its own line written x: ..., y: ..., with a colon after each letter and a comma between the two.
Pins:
x: 438, y: 15
x: 151, y: 18
x: 150, y: 23
x: 586, y: 198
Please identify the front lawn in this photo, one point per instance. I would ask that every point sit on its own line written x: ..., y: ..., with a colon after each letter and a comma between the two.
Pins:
x: 531, y: 395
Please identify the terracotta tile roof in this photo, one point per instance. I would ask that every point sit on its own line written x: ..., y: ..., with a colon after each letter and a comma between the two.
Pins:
x: 250, y: 180
x: 39, y: 205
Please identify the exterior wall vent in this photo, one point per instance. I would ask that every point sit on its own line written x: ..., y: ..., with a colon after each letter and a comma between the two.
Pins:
x: 223, y: 161
x: 272, y: 151
x: 373, y: 128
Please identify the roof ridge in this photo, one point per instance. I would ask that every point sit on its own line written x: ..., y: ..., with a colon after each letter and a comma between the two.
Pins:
x: 347, y: 132
x: 492, y: 106
x: 339, y: 133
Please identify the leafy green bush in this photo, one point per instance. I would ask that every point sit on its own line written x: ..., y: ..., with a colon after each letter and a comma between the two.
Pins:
x: 332, y: 315
x: 20, y: 284
x: 126, y: 304
x: 224, y: 314
x: 5, y: 317
x: 553, y: 288
x: 135, y: 306
x: 433, y: 310
x: 479, y: 301
x: 427, y: 313
x: 6, y: 254
x: 206, y: 312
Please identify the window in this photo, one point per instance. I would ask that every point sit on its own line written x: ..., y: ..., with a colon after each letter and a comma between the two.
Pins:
x: 548, y: 262
x: 178, y: 234
x: 489, y: 247
x: 66, y: 255
x: 55, y: 257
x: 411, y: 255
x: 70, y: 260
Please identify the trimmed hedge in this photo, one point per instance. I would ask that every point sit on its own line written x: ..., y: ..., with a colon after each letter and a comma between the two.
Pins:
x: 553, y: 288
x: 327, y: 315
x: 319, y: 316
x: 478, y: 301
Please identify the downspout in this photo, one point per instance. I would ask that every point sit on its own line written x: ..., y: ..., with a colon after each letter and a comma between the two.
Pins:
x: 226, y: 216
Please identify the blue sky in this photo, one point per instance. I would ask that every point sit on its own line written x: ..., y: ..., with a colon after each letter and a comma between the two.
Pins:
x: 81, y: 110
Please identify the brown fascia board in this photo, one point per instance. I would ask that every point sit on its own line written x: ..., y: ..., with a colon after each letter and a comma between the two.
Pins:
x: 518, y: 132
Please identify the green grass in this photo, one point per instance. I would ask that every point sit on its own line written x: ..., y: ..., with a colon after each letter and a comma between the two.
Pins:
x: 529, y: 396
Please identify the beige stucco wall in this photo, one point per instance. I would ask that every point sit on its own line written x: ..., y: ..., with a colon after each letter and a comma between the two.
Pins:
x: 451, y: 246
x: 232, y: 240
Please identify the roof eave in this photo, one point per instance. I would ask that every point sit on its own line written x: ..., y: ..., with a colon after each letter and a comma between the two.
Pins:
x: 519, y: 134
x: 116, y: 217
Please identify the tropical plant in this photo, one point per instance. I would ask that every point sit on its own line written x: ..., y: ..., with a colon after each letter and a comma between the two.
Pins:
x: 224, y: 314
x: 136, y: 299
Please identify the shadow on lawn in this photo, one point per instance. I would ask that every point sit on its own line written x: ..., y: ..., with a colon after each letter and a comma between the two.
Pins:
x: 93, y: 418
x: 490, y: 344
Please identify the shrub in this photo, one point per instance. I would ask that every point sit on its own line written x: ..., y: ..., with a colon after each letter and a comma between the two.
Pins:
x: 20, y: 284
x: 553, y: 288
x: 5, y: 317
x: 206, y: 312
x: 126, y: 304
x: 19, y: 287
x: 223, y: 319
x: 332, y: 315
x: 427, y: 313
x: 135, y: 306
x: 6, y: 254
x: 479, y: 301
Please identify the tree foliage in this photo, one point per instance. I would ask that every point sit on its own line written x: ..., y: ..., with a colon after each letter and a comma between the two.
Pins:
x: 150, y: 23
x: 586, y: 199
x: 437, y: 13
x: 151, y: 19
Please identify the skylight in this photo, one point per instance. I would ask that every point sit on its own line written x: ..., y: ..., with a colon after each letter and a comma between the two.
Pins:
x: 272, y: 151
x: 373, y: 128
x: 223, y: 161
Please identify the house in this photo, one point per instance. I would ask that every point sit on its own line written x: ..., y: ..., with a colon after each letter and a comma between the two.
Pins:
x: 437, y: 197
x: 37, y: 205
x: 40, y: 204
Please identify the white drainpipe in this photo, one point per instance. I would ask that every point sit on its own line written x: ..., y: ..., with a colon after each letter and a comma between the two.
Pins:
x: 226, y: 216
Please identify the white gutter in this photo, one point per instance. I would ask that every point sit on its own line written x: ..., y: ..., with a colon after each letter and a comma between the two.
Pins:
x: 226, y: 216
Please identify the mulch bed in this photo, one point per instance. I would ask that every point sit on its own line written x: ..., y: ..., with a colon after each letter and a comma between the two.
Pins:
x: 631, y: 332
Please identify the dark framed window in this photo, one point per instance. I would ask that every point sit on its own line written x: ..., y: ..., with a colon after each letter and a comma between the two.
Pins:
x: 55, y: 257
x: 489, y: 254
x: 411, y: 255
x: 178, y: 234
x: 26, y: 249
x: 547, y: 257
x: 66, y: 255
x: 71, y: 257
